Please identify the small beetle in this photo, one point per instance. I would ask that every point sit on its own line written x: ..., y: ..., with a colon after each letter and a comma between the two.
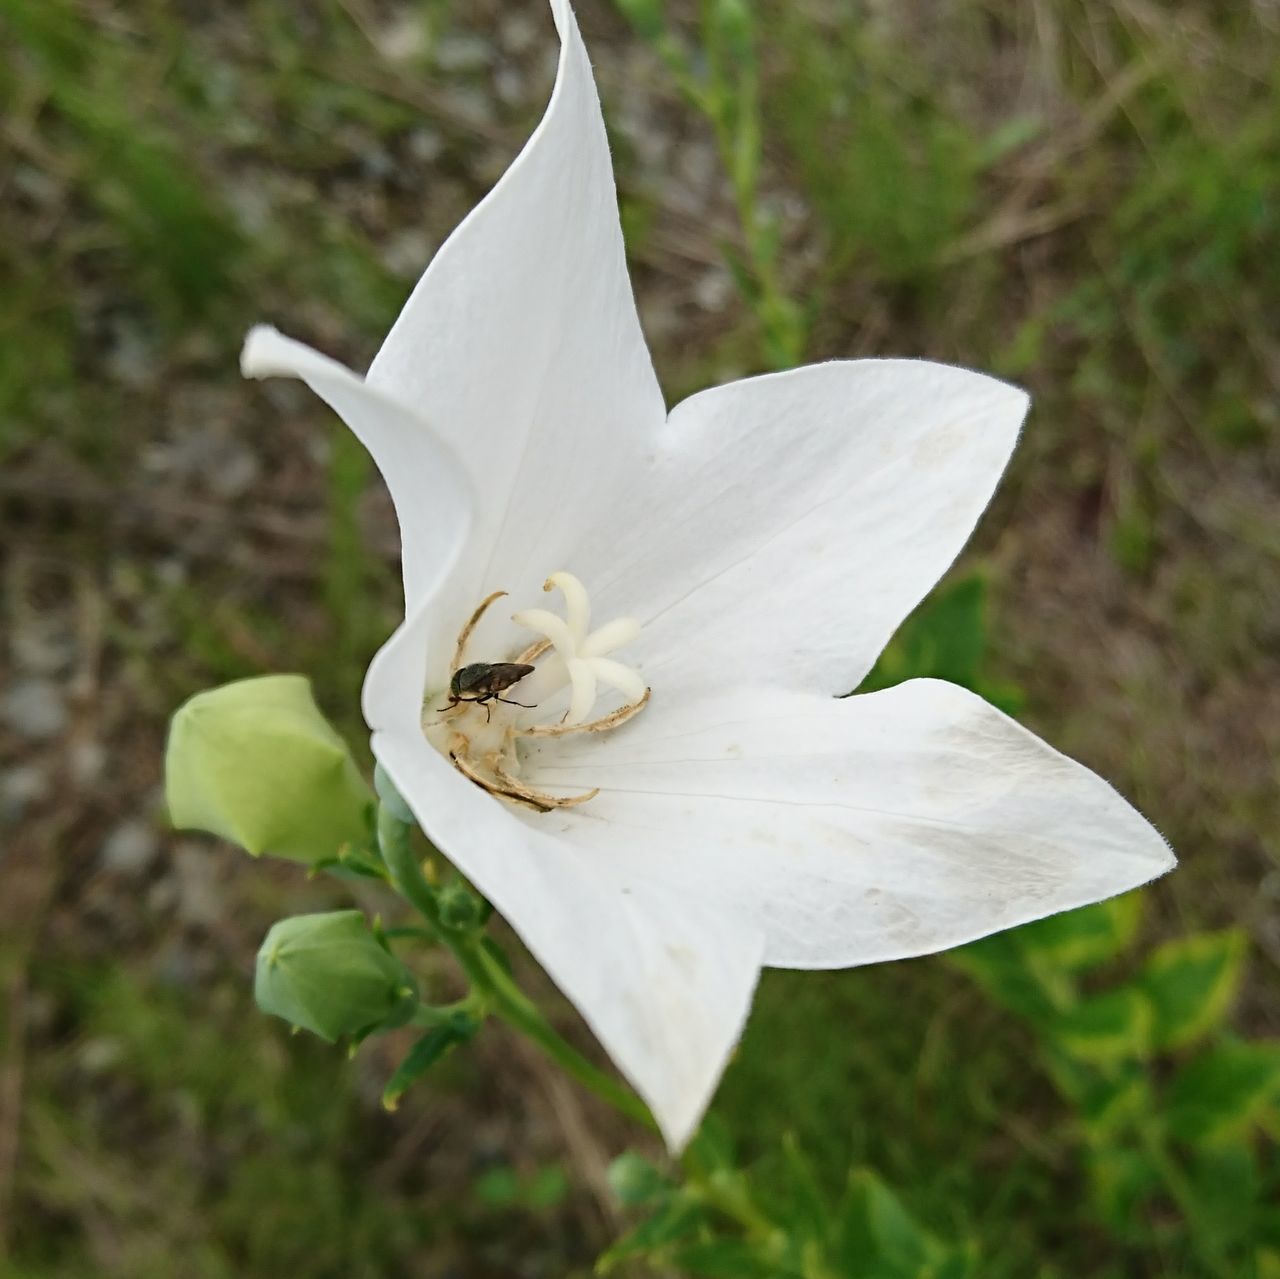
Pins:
x: 484, y: 682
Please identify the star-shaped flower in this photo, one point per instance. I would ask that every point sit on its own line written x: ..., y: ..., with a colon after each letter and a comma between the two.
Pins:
x: 658, y: 832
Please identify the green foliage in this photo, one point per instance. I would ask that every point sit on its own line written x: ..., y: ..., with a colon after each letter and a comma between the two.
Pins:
x: 504, y: 1188
x: 1080, y: 940
x: 721, y: 80
x: 1191, y: 984
x: 716, y: 1224
x: 432, y: 1047
x: 893, y: 173
x: 144, y: 185
x: 1186, y: 1133
x: 1111, y: 1027
x: 1229, y: 1090
x: 945, y: 638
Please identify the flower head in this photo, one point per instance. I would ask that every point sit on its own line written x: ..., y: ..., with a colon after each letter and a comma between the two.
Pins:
x: 665, y: 803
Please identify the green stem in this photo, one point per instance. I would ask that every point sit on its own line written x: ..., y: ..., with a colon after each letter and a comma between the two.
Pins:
x: 427, y: 1015
x: 492, y: 987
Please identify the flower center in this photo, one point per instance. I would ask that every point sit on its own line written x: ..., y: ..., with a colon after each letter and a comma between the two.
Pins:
x: 491, y: 708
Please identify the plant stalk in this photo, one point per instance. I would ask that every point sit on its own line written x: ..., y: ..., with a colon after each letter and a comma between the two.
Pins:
x: 491, y: 985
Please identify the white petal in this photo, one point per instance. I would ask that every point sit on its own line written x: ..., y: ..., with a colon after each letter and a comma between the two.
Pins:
x: 853, y: 831
x: 792, y: 521
x: 522, y: 346
x: 427, y: 482
x: 663, y: 980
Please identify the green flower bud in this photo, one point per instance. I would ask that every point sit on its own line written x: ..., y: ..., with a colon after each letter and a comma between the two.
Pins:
x: 257, y: 763
x: 459, y: 906
x: 330, y: 975
x: 634, y: 1180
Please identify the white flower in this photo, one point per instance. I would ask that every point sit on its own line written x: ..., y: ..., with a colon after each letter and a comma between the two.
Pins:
x: 767, y: 537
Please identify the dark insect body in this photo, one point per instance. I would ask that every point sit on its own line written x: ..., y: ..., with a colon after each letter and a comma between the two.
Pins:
x: 485, y: 682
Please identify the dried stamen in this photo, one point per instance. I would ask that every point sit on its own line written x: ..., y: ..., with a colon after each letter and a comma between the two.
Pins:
x: 461, y: 760
x: 465, y: 634
x: 488, y: 753
x: 602, y: 725
x: 532, y: 796
x: 532, y: 653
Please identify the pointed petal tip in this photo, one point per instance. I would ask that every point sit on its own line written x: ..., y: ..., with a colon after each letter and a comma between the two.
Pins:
x: 269, y: 353
x: 264, y: 353
x: 678, y: 1129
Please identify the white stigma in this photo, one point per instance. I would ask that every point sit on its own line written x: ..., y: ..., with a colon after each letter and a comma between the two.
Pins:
x: 584, y: 654
x: 486, y: 721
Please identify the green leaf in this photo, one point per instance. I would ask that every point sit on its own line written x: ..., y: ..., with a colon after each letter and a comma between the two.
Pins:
x: 1082, y: 939
x: 729, y: 1259
x: 807, y: 1211
x: 1192, y: 984
x: 1224, y: 1092
x: 712, y: 1149
x: 1120, y: 1181
x: 1267, y: 1264
x: 1000, y: 966
x: 435, y: 1044
x: 1115, y: 1026
x: 1226, y: 1194
x: 874, y: 1226
x: 1106, y: 1103
x: 945, y: 638
x: 677, y: 1219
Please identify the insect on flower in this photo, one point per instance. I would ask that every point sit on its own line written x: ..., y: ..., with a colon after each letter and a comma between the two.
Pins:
x: 659, y: 828
x: 485, y: 682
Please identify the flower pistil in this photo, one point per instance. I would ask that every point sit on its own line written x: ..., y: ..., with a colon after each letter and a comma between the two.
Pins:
x: 485, y: 748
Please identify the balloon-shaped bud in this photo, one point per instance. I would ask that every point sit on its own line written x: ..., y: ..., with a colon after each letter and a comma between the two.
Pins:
x: 257, y: 763
x: 332, y: 976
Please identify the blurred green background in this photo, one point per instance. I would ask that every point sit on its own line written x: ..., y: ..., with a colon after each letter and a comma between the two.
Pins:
x: 1081, y: 197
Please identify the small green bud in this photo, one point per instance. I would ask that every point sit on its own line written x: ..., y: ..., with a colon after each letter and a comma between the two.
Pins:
x: 257, y: 763
x: 634, y: 1180
x: 459, y: 907
x: 330, y: 975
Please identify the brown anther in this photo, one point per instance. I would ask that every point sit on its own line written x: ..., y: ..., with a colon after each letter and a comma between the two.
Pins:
x: 620, y: 716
